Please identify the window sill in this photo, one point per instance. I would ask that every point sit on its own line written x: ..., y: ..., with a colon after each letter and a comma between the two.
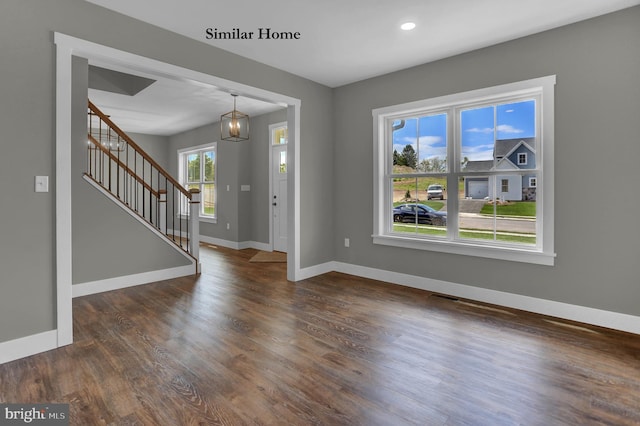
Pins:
x: 201, y: 218
x: 468, y: 249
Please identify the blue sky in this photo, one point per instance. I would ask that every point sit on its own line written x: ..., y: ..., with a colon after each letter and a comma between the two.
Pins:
x: 428, y: 134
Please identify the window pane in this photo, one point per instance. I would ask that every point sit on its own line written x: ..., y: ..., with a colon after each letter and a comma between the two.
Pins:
x: 510, y: 217
x: 516, y: 120
x: 405, y: 136
x: 209, y: 166
x: 477, y: 138
x: 193, y: 167
x: 184, y: 203
x: 432, y: 144
x: 208, y: 199
x: 413, y: 213
x: 420, y: 144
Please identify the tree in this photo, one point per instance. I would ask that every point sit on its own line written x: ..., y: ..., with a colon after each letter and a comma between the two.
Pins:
x: 398, y: 160
x: 434, y: 164
x: 464, y: 162
x: 410, y: 157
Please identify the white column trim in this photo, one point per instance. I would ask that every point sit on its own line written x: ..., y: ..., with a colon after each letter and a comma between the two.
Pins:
x: 63, y: 197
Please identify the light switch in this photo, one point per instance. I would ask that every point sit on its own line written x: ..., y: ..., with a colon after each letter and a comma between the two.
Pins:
x: 42, y: 183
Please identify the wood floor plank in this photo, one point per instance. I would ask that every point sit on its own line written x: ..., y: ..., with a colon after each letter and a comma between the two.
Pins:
x: 241, y: 345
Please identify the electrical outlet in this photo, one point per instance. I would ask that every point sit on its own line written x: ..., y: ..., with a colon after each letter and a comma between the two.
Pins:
x: 42, y: 184
x: 346, y: 242
x: 228, y: 226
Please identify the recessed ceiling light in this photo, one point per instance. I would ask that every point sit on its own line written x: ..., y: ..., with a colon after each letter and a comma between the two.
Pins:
x: 407, y: 26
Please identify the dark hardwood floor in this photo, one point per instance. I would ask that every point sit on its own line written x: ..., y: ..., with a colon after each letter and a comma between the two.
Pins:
x: 242, y: 345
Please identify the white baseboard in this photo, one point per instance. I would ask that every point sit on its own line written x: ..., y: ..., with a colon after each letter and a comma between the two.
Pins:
x: 93, y: 287
x: 27, y: 346
x: 236, y: 245
x: 315, y: 270
x: 586, y: 315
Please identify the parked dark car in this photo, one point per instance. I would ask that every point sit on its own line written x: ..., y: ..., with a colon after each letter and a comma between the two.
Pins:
x: 421, y: 212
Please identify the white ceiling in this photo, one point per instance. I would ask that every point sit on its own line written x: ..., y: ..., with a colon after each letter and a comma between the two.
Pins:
x: 167, y: 106
x: 341, y: 41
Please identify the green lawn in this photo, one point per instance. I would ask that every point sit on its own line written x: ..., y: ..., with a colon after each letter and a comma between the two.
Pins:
x: 476, y: 235
x: 514, y: 208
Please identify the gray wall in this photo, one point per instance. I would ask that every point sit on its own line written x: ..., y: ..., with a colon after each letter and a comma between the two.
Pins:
x: 238, y: 163
x: 27, y: 120
x: 597, y: 238
x: 155, y: 146
x: 229, y: 155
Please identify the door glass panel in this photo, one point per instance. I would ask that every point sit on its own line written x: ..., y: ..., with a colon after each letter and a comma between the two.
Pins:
x: 280, y: 136
x: 283, y: 162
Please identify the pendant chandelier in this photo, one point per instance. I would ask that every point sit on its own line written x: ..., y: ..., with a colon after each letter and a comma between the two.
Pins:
x: 234, y: 125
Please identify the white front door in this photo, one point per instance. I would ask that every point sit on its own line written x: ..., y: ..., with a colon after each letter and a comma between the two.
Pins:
x: 279, y: 188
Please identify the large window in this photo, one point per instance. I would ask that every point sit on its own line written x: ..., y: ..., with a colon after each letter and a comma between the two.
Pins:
x: 197, y: 169
x: 469, y: 173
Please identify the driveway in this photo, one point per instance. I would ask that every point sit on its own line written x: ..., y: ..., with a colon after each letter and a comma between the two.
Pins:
x: 476, y: 221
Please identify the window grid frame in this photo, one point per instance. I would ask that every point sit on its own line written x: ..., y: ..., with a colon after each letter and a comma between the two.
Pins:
x: 183, y: 173
x: 541, y: 90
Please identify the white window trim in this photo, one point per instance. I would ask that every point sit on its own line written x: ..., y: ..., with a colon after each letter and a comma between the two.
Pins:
x: 206, y: 147
x: 543, y: 253
x: 526, y: 159
x: 531, y: 182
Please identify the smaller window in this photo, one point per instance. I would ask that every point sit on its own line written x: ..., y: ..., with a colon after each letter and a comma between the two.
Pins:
x: 522, y: 159
x: 197, y: 169
x: 505, y: 185
x: 532, y: 182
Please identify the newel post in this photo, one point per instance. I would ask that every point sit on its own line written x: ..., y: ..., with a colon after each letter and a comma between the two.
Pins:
x: 194, y: 219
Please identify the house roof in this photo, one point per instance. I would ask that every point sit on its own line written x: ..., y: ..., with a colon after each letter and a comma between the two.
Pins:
x: 501, y: 150
x: 479, y: 166
x: 503, y: 147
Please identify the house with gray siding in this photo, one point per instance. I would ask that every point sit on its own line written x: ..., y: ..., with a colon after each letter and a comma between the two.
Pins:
x: 508, y: 154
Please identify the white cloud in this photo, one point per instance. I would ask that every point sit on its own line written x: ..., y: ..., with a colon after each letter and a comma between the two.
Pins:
x: 508, y: 129
x: 478, y: 152
x: 485, y: 131
x: 430, y: 140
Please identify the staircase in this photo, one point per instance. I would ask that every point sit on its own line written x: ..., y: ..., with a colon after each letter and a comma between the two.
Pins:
x: 133, y: 179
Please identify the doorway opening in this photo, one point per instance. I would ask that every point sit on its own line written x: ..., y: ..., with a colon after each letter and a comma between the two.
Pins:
x: 66, y: 48
x: 278, y: 138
